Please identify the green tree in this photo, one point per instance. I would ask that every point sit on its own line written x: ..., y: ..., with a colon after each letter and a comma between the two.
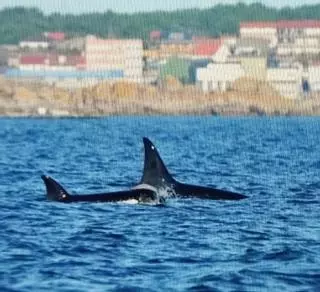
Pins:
x: 19, y: 23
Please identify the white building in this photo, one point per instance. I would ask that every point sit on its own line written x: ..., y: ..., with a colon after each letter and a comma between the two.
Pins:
x: 314, y: 78
x: 73, y: 44
x: 34, y: 43
x: 222, y: 54
x: 292, y: 37
x: 115, y: 54
x: 51, y: 62
x: 287, y: 81
x: 219, y: 76
x: 289, y: 31
x: 252, y: 47
x: 266, y: 30
x: 302, y: 46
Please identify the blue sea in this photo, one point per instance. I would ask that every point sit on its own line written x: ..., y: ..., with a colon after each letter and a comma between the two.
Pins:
x: 268, y: 242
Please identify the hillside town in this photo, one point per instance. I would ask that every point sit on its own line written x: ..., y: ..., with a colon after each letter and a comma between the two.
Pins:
x: 281, y: 56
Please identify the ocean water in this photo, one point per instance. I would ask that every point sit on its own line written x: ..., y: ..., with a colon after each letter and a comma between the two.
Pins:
x: 268, y: 242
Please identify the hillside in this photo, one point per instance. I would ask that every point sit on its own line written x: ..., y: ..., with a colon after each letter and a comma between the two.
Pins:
x: 19, y: 23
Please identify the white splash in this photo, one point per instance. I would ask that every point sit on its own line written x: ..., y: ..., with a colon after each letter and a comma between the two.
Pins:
x: 131, y: 202
x: 162, y: 193
x: 166, y: 192
x: 144, y: 186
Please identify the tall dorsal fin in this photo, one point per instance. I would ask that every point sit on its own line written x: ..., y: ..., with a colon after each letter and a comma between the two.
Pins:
x: 155, y: 172
x: 55, y: 192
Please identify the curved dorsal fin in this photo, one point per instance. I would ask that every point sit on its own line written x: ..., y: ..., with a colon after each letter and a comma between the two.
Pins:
x: 155, y: 172
x: 55, y: 191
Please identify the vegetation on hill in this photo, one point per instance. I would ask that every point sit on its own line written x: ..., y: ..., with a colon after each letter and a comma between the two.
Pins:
x: 19, y: 22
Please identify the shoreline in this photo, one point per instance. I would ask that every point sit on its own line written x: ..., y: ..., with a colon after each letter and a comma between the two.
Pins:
x: 191, y: 115
x: 247, y: 98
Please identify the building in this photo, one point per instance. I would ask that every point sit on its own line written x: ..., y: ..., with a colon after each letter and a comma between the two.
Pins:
x: 175, y: 67
x: 252, y: 47
x: 7, y: 52
x: 9, y: 55
x: 51, y: 62
x: 42, y: 42
x: 298, y: 37
x: 300, y: 47
x: 287, y: 81
x: 174, y: 48
x: 223, y: 54
x: 219, y: 76
x: 314, y: 77
x: 115, y: 54
x: 255, y: 67
x: 206, y: 47
x: 261, y: 29
x: 98, y: 59
x: 176, y: 36
x: 61, y: 70
x: 289, y: 31
x: 291, y: 37
x: 195, y: 65
x: 33, y: 62
x: 155, y: 36
x: 71, y: 45
x: 56, y: 36
x: 217, y: 49
x: 67, y: 79
x: 35, y: 43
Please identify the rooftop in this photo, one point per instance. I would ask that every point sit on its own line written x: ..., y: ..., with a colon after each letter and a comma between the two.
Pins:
x: 207, y: 47
x: 280, y: 24
x: 52, y: 60
x: 39, y: 38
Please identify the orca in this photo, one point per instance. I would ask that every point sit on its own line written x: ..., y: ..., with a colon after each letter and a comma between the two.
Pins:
x: 141, y: 194
x: 155, y: 174
x: 155, y: 185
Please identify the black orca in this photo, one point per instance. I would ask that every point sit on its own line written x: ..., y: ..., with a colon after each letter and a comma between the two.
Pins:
x: 154, y: 179
x: 156, y: 175
x: 55, y: 192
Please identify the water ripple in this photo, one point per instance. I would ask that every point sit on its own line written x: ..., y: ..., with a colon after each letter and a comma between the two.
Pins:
x: 269, y: 242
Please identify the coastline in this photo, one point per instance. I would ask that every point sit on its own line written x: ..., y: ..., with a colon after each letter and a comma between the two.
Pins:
x: 246, y: 98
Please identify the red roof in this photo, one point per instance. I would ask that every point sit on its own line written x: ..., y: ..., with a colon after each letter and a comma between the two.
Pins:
x: 207, y: 47
x: 258, y: 24
x: 52, y: 60
x: 56, y: 36
x: 75, y: 60
x: 155, y: 34
x: 282, y: 24
x: 32, y: 60
x: 298, y: 24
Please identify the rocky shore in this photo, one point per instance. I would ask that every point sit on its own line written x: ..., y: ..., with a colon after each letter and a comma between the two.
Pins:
x: 247, y: 97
